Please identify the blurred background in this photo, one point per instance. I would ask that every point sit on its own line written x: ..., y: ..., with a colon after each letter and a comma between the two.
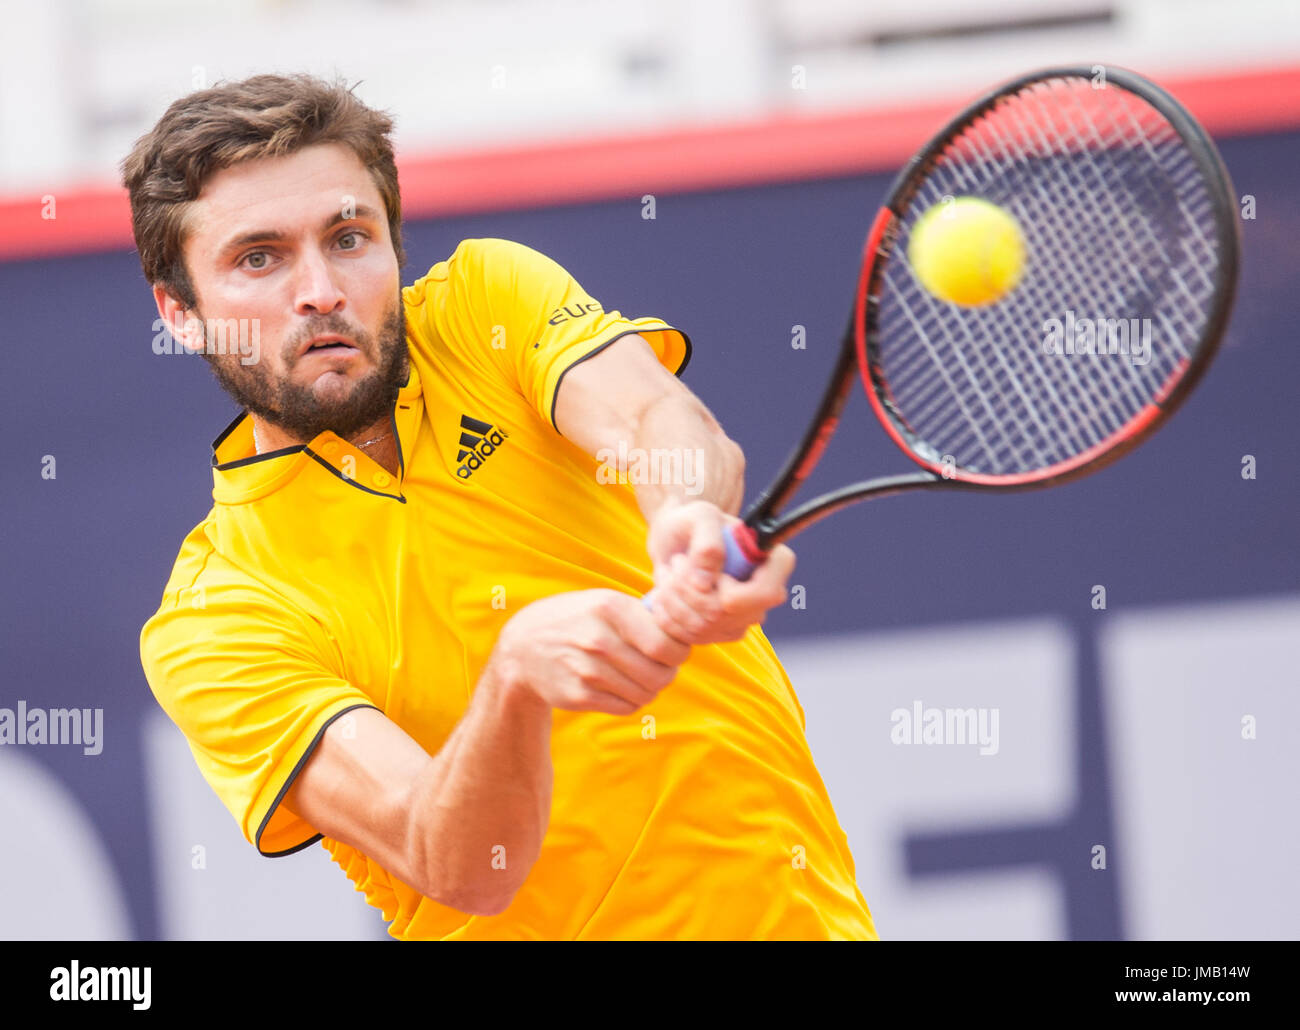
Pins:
x: 1144, y: 780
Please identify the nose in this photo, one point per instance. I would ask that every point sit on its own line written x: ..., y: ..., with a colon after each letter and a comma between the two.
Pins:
x: 315, y: 289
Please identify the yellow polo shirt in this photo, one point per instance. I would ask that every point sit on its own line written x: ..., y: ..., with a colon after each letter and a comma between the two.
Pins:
x: 319, y: 583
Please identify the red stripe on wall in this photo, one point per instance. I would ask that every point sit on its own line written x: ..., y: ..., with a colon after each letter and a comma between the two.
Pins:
x: 97, y: 218
x: 777, y: 149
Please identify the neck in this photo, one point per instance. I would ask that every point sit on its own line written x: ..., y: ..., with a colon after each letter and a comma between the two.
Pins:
x: 376, y: 441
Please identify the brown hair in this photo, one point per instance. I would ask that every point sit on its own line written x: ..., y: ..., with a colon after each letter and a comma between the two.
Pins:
x: 212, y: 129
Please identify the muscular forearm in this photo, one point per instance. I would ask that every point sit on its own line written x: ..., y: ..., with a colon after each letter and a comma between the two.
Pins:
x: 482, y: 808
x: 695, y: 459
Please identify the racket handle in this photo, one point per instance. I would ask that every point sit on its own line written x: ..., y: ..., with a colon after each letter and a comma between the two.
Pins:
x: 742, y: 555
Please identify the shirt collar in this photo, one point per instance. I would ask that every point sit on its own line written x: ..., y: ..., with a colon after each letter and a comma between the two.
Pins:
x: 239, y: 473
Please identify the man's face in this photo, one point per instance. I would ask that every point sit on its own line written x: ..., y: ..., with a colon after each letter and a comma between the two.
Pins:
x: 301, y: 245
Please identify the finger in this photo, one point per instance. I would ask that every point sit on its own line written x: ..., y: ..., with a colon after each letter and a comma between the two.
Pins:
x: 674, y: 629
x: 647, y: 673
x: 675, y: 567
x: 690, y: 608
x: 677, y: 621
x: 582, y: 699
x: 749, y: 601
x: 607, y: 638
x: 784, y: 559
x: 707, y: 552
x: 667, y: 623
x: 592, y: 675
x: 711, y: 631
x: 670, y: 534
x: 640, y: 632
x: 770, y: 577
x: 682, y: 586
x: 768, y: 580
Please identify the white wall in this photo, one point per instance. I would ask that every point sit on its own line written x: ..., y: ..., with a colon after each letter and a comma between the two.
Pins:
x: 82, y: 79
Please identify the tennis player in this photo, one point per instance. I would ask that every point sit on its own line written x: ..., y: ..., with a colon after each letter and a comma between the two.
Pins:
x: 410, y: 626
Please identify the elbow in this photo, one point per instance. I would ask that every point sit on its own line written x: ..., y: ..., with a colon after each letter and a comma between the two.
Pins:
x: 488, y: 891
x: 477, y: 903
x: 490, y: 895
x: 492, y: 889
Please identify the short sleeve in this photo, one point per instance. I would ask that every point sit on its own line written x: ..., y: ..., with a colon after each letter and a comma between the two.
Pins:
x: 523, y: 312
x: 249, y: 683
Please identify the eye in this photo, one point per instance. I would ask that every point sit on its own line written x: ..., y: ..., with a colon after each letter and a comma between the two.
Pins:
x: 249, y: 259
x: 357, y: 233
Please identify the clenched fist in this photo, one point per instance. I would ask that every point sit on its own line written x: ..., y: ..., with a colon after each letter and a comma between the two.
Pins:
x: 588, y: 651
x: 693, y: 600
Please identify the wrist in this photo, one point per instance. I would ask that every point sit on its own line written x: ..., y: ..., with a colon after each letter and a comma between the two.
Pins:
x: 658, y: 500
x: 506, y: 680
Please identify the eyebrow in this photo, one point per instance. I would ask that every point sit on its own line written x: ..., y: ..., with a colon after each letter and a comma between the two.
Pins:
x: 361, y: 212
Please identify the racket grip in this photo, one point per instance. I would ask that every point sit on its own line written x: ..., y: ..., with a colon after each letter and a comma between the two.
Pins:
x: 742, y: 555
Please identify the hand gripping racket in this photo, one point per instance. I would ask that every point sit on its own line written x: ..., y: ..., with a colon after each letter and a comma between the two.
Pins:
x: 1128, y: 222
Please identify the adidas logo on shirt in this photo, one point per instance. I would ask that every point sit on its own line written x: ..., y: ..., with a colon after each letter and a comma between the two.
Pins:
x: 478, y: 442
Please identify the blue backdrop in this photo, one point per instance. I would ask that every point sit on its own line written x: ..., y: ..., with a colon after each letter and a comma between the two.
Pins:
x: 86, y: 554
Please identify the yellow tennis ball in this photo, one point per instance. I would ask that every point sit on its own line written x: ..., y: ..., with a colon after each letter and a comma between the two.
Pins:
x: 967, y: 250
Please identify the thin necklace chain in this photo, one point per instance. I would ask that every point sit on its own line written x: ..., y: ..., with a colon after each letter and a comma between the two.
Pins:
x: 257, y: 442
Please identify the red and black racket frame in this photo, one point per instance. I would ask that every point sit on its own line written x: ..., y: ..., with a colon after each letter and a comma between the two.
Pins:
x: 763, y: 528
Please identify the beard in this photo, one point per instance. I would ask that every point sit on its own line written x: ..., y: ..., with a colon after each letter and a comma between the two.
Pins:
x: 296, y: 408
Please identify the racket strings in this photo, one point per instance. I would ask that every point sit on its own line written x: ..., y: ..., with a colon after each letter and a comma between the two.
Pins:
x: 1003, y: 162
x: 1099, y: 418
x: 932, y: 354
x: 1115, y: 219
x: 1110, y: 391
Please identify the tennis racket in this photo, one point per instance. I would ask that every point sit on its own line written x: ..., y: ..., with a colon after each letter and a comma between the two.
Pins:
x: 1126, y: 213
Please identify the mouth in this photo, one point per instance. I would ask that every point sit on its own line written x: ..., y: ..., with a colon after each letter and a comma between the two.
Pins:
x: 327, y: 345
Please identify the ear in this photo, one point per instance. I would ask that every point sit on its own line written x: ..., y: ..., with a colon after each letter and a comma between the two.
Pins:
x: 185, y: 326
